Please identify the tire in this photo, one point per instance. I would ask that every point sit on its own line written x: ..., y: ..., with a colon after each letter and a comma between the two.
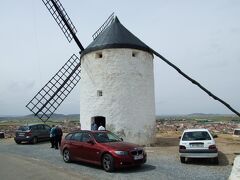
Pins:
x: 35, y: 140
x: 138, y: 165
x: 66, y: 156
x: 182, y: 159
x: 215, y: 160
x: 108, y: 162
x: 18, y: 142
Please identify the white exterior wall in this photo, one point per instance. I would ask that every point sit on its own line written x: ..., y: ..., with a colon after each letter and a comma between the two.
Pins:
x: 127, y: 84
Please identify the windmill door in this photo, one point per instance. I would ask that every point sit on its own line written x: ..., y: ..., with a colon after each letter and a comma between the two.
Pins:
x: 99, y: 120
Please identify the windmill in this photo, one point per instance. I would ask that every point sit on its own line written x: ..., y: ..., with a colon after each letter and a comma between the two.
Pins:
x: 49, y: 98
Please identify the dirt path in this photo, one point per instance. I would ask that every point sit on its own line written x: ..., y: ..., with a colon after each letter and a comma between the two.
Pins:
x: 30, y: 168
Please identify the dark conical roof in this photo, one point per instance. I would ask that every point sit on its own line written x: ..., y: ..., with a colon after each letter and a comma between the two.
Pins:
x: 116, y: 36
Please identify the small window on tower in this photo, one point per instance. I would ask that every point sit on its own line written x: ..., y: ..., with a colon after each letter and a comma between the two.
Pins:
x: 134, y: 54
x: 99, y: 92
x: 98, y: 55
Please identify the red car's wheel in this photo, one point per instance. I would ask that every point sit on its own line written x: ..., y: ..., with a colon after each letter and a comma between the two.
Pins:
x: 108, y: 162
x: 66, y: 156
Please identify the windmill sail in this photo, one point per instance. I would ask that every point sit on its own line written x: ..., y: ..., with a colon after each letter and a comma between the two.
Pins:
x: 47, y: 100
x: 104, y: 26
x: 64, y: 22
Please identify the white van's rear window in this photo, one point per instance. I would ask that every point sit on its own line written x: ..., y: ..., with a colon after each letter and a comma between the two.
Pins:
x: 236, y: 132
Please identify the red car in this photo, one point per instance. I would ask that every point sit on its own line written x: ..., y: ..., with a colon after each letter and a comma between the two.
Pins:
x: 102, y: 148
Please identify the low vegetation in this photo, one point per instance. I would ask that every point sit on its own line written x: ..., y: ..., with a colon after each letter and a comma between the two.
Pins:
x: 218, y: 123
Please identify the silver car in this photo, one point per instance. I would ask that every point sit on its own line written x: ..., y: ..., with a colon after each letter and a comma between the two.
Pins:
x: 32, y: 133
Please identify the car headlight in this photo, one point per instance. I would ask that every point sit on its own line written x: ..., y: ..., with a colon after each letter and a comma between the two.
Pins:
x: 121, y: 153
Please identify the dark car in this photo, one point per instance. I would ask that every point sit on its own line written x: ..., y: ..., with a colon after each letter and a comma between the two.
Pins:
x: 32, y: 133
x: 101, y: 148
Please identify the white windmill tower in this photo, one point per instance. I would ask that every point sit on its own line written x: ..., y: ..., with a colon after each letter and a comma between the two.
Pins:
x: 117, y: 84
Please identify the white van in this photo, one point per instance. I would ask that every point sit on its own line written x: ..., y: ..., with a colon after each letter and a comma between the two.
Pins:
x: 236, y: 132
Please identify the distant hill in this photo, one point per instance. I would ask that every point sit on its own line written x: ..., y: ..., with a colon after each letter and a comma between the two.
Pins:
x: 194, y: 115
x: 200, y: 117
x: 54, y: 117
x: 203, y: 114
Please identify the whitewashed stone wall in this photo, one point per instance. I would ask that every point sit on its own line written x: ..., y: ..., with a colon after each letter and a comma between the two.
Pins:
x: 235, y: 174
x: 127, y: 83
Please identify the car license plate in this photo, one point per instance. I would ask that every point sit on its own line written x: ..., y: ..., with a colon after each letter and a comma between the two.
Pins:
x: 20, y: 134
x: 138, y: 157
x: 196, y: 145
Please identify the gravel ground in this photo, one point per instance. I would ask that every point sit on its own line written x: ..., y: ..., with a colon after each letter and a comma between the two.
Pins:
x: 160, y: 164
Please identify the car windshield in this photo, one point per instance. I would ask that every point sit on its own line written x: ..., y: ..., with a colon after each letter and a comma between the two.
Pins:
x: 23, y: 128
x: 105, y: 137
x: 196, y: 136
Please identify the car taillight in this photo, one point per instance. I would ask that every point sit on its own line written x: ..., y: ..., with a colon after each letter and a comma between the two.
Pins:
x: 212, y: 147
x: 28, y: 133
x: 182, y: 147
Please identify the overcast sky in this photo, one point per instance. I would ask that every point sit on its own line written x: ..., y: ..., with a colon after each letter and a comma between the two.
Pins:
x: 200, y: 37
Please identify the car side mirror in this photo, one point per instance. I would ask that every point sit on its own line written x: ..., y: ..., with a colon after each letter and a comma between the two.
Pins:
x: 179, y: 137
